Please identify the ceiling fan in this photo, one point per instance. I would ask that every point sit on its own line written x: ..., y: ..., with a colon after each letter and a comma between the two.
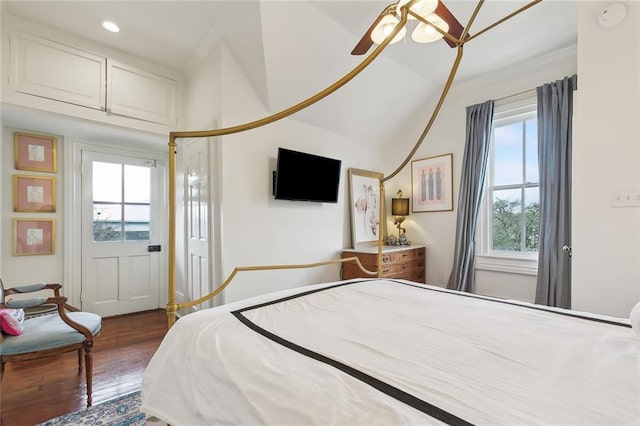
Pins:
x: 433, y: 11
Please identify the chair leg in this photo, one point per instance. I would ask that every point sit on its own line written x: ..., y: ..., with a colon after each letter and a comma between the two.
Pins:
x: 2, y: 370
x: 88, y: 364
x: 79, y: 360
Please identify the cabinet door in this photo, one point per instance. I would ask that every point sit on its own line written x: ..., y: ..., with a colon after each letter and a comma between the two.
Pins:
x: 136, y: 93
x: 53, y: 70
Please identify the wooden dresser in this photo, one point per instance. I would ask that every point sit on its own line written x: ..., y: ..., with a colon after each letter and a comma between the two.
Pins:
x: 406, y: 262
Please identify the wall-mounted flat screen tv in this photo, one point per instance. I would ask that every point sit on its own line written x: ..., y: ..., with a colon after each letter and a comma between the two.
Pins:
x: 306, y: 177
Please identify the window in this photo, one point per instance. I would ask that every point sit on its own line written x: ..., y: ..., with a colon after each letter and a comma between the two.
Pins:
x: 511, y: 209
x: 121, y: 202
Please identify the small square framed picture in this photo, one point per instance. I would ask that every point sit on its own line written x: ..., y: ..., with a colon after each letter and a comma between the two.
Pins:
x: 34, y: 194
x: 35, y: 152
x: 33, y: 236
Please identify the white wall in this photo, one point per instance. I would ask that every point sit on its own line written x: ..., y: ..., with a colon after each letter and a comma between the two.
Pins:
x: 437, y: 229
x: 258, y: 230
x: 606, y: 156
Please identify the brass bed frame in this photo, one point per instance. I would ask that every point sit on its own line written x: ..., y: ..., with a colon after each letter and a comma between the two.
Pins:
x: 172, y: 305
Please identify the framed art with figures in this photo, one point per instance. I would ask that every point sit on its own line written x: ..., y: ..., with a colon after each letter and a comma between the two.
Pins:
x: 432, y: 184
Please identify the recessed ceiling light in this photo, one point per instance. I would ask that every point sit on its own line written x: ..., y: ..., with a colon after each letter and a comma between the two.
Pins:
x: 110, y: 26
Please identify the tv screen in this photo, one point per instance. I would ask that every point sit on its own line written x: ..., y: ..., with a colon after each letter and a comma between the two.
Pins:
x: 306, y: 177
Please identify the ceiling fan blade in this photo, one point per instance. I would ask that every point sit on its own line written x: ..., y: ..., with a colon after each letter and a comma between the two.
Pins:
x: 366, y: 42
x: 455, y: 27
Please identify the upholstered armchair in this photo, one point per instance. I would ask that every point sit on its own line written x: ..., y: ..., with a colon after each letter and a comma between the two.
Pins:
x: 49, y: 334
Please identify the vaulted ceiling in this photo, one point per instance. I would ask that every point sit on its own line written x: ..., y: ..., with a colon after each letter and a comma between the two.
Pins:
x: 293, y: 49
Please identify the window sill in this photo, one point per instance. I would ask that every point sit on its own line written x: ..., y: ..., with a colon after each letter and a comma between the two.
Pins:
x: 513, y: 265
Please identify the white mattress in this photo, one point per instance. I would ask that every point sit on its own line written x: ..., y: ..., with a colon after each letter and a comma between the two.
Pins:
x: 391, y: 352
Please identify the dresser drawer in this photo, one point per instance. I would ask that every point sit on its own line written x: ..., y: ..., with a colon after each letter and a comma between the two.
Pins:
x: 399, y: 267
x: 402, y: 256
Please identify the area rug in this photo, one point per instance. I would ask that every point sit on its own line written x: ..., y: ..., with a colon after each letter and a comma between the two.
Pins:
x: 121, y: 411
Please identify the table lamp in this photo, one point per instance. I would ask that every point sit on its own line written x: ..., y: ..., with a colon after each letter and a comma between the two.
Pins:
x: 400, y: 209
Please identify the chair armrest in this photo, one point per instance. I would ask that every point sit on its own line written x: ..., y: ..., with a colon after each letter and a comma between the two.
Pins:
x: 62, y: 303
x: 33, y: 288
x: 25, y: 303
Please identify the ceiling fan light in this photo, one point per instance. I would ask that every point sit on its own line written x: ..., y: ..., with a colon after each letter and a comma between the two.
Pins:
x: 423, y: 8
x: 424, y: 33
x: 384, y: 28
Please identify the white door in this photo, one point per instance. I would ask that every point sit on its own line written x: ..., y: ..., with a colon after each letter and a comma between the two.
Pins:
x: 120, y: 233
x: 198, y: 196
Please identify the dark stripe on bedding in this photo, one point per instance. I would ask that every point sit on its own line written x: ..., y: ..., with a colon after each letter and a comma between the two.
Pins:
x: 507, y: 302
x: 386, y: 388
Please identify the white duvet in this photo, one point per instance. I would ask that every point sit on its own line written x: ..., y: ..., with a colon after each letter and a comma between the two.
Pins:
x: 392, y: 353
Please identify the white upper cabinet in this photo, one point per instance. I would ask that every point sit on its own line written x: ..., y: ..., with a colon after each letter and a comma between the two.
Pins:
x: 48, y: 69
x: 52, y: 70
x: 136, y: 93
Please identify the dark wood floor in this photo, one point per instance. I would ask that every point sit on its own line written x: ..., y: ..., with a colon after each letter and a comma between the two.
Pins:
x: 35, y: 391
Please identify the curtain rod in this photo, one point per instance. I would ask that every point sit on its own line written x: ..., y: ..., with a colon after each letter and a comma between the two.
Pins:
x: 515, y: 95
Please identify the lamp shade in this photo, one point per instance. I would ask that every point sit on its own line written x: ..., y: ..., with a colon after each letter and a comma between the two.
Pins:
x: 424, y: 33
x: 384, y: 28
x: 423, y: 8
x: 400, y: 206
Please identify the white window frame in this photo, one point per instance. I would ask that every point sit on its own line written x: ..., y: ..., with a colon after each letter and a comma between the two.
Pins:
x: 513, y: 110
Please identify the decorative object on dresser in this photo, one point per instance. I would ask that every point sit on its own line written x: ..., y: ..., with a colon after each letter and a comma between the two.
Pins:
x: 406, y: 262
x: 400, y: 209
x: 432, y: 184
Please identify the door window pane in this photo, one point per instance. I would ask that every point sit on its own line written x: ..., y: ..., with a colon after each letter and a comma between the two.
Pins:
x: 107, y: 182
x: 136, y: 225
x: 107, y: 222
x: 137, y: 187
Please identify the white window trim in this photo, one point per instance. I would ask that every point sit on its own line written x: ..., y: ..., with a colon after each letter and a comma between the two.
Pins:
x: 525, y: 263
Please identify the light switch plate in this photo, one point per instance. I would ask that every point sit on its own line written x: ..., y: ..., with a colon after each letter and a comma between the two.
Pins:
x: 625, y: 199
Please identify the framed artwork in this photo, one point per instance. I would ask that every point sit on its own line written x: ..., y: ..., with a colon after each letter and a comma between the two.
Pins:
x: 364, y: 196
x: 33, y: 236
x: 35, y: 152
x: 34, y: 194
x: 432, y: 184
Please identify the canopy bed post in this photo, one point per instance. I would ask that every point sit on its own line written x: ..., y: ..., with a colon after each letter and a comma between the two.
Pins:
x: 171, y: 303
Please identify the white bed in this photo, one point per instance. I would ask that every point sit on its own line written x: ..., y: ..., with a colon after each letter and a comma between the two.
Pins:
x: 393, y: 352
